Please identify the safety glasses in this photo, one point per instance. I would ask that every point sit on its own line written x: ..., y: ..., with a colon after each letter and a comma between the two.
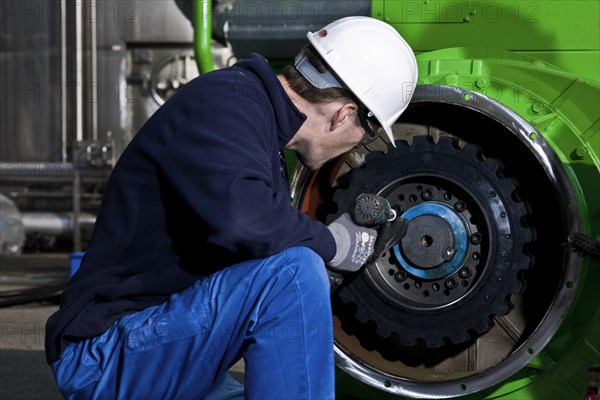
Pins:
x: 369, y: 124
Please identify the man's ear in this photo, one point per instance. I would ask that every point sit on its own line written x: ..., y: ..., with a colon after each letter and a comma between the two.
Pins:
x: 342, y: 114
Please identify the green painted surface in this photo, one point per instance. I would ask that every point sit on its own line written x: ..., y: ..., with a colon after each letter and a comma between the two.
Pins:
x: 542, y: 60
x: 562, y: 33
x: 203, y: 35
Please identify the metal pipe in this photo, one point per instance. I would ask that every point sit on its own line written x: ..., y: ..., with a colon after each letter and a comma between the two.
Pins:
x: 79, y: 131
x: 55, y: 224
x: 79, y: 69
x: 94, y: 62
x: 76, y: 211
x: 47, y: 172
x: 203, y: 35
x: 63, y: 78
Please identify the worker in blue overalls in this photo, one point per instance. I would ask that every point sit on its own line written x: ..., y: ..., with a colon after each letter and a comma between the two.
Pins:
x: 198, y: 259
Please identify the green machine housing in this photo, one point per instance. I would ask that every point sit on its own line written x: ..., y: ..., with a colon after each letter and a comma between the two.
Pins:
x: 510, y: 89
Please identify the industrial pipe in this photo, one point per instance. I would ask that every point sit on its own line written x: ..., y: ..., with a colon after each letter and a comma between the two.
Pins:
x: 203, y: 35
x: 58, y: 224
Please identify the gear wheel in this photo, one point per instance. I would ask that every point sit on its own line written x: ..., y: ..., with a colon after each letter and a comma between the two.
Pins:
x: 463, y: 255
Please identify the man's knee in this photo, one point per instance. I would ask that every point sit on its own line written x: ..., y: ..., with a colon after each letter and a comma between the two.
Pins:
x: 306, y: 265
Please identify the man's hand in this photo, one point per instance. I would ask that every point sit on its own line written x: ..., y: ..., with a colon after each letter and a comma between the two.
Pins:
x: 390, y: 233
x: 354, y: 243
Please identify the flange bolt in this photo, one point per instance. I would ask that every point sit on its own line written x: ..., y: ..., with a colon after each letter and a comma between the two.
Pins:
x: 450, y: 283
x: 465, y: 272
x: 427, y: 195
x: 460, y: 206
x: 400, y: 276
x: 476, y: 238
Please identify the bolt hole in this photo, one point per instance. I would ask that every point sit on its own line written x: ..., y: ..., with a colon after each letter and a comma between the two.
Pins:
x: 465, y: 283
x: 406, y: 286
x: 391, y: 272
x: 426, y: 241
x: 570, y: 284
x: 412, y: 198
x: 426, y: 293
x: 530, y: 351
x: 462, y: 387
x: 401, y: 197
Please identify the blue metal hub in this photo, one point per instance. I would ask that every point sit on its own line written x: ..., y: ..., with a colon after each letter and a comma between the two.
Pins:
x: 436, y: 242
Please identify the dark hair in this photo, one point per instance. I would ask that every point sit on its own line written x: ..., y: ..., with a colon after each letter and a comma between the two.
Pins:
x: 305, y: 89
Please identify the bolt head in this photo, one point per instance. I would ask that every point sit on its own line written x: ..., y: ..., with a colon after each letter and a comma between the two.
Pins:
x: 450, y: 283
x: 476, y: 238
x: 400, y: 276
x: 460, y: 206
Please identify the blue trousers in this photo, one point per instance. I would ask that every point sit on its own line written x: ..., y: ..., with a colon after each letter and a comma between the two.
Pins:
x: 274, y: 312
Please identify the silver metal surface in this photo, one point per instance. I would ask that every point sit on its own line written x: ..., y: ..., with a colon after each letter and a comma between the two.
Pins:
x: 12, y: 231
x: 28, y: 173
x: 66, y: 83
x: 30, y: 90
x: 56, y: 224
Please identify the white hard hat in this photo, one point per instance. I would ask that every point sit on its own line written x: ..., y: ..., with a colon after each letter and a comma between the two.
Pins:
x: 372, y: 60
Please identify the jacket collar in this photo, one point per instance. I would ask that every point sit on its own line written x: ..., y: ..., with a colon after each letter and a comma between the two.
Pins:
x: 288, y: 118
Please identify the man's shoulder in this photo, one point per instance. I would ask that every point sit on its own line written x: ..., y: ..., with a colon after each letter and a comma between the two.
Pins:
x: 224, y: 83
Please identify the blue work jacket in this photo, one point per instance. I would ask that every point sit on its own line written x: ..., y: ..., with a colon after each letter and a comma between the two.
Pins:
x: 200, y: 187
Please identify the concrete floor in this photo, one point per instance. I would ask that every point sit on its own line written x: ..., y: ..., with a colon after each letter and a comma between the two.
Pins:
x: 24, y: 373
x: 23, y: 370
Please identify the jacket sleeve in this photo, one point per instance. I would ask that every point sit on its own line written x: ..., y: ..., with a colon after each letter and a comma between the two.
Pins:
x: 221, y: 165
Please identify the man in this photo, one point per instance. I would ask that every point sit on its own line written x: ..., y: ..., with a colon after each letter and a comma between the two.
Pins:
x: 198, y: 259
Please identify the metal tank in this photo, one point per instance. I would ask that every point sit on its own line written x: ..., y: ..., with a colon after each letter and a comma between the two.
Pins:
x: 497, y: 165
x: 78, y: 80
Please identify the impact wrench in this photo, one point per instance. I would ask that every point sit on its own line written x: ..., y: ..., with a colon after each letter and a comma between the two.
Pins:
x: 374, y: 211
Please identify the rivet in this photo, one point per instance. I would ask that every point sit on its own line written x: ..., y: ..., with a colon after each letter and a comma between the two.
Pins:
x: 537, y: 107
x: 452, y: 79
x: 481, y: 83
x: 581, y: 152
